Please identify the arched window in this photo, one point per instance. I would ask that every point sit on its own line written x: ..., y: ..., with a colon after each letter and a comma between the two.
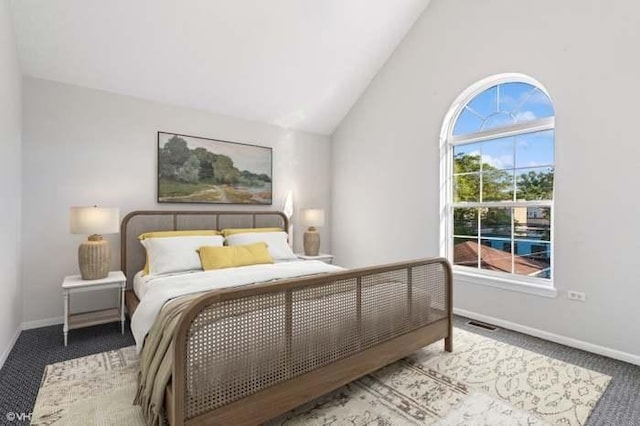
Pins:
x: 498, y: 176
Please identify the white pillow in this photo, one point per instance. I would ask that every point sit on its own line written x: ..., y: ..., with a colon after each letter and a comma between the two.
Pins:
x: 177, y: 254
x: 276, y: 243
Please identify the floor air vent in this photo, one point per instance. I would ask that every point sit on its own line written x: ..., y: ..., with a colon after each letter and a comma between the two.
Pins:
x: 482, y: 325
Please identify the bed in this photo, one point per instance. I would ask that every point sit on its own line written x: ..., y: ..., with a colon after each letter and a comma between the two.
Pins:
x: 244, y: 355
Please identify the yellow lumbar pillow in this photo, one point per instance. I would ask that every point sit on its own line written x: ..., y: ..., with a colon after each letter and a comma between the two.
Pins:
x: 231, y: 257
x: 233, y: 231
x: 169, y: 234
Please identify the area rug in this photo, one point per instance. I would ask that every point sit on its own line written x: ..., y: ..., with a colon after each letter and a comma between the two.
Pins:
x: 483, y: 382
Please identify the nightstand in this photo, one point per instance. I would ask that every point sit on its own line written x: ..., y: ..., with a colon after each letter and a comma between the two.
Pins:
x: 326, y: 258
x: 75, y: 284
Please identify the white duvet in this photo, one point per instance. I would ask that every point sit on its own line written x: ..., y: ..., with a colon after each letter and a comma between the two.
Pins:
x: 161, y: 289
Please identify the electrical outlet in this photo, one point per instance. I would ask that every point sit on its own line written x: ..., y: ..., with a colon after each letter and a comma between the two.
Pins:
x: 577, y: 296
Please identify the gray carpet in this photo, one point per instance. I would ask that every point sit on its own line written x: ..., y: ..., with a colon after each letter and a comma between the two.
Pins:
x: 22, y: 371
x: 21, y: 374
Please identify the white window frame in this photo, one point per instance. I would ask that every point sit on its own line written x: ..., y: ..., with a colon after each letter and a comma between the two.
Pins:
x: 503, y: 280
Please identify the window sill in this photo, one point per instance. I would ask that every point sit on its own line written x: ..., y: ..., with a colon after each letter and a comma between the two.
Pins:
x: 505, y: 284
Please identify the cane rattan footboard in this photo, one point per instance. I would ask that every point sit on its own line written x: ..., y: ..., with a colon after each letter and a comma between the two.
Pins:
x: 245, y: 355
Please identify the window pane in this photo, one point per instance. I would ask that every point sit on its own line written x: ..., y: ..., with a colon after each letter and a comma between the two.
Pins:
x: 534, y: 106
x: 535, y: 149
x: 532, y: 223
x: 498, y: 154
x: 466, y: 158
x: 512, y: 95
x: 486, y: 103
x: 466, y: 187
x: 497, y: 185
x: 498, y: 119
x: 524, y: 101
x: 495, y: 233
x: 465, y: 252
x: 493, y: 255
x: 495, y: 223
x: 465, y: 222
x: 467, y: 122
x: 534, y: 184
x: 519, y: 218
x: 503, y: 105
x: 533, y: 259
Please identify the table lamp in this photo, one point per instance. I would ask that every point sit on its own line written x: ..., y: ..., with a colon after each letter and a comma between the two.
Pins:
x: 312, y: 218
x: 93, y: 255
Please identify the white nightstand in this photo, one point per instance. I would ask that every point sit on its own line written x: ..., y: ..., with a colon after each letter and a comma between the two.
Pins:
x: 326, y: 258
x: 75, y: 284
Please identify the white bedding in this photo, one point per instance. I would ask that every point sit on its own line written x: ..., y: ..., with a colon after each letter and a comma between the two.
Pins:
x: 140, y: 284
x: 160, y: 289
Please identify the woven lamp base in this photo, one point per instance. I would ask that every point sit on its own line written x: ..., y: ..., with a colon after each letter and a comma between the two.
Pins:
x: 311, y: 241
x: 94, y: 258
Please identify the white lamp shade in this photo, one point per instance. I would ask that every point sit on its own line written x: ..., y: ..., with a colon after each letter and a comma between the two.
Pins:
x: 313, y: 217
x: 94, y: 220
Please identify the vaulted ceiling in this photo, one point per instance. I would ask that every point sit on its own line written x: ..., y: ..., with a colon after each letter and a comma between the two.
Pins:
x: 298, y: 64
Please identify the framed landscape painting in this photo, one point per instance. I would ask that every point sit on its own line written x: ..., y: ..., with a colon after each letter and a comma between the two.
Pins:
x: 199, y: 170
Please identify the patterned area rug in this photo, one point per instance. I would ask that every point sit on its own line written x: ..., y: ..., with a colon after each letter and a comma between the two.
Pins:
x: 483, y: 382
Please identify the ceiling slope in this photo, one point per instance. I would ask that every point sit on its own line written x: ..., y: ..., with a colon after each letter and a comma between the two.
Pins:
x: 298, y: 64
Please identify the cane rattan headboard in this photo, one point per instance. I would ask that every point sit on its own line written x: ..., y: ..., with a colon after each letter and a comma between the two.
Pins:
x: 132, y: 254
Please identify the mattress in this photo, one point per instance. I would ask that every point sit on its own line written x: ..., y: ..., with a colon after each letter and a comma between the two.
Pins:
x: 157, y: 290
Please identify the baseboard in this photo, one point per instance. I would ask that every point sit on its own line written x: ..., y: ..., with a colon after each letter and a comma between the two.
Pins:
x: 9, y: 347
x: 556, y: 338
x: 28, y: 325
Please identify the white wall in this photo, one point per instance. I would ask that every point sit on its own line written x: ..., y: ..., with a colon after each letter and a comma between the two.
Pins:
x: 386, y: 153
x: 84, y: 147
x: 10, y: 183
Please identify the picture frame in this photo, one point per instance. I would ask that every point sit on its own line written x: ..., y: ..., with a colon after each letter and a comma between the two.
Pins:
x: 194, y: 169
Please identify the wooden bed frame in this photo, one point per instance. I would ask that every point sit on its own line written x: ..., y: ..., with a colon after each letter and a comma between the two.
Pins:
x: 304, y: 337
